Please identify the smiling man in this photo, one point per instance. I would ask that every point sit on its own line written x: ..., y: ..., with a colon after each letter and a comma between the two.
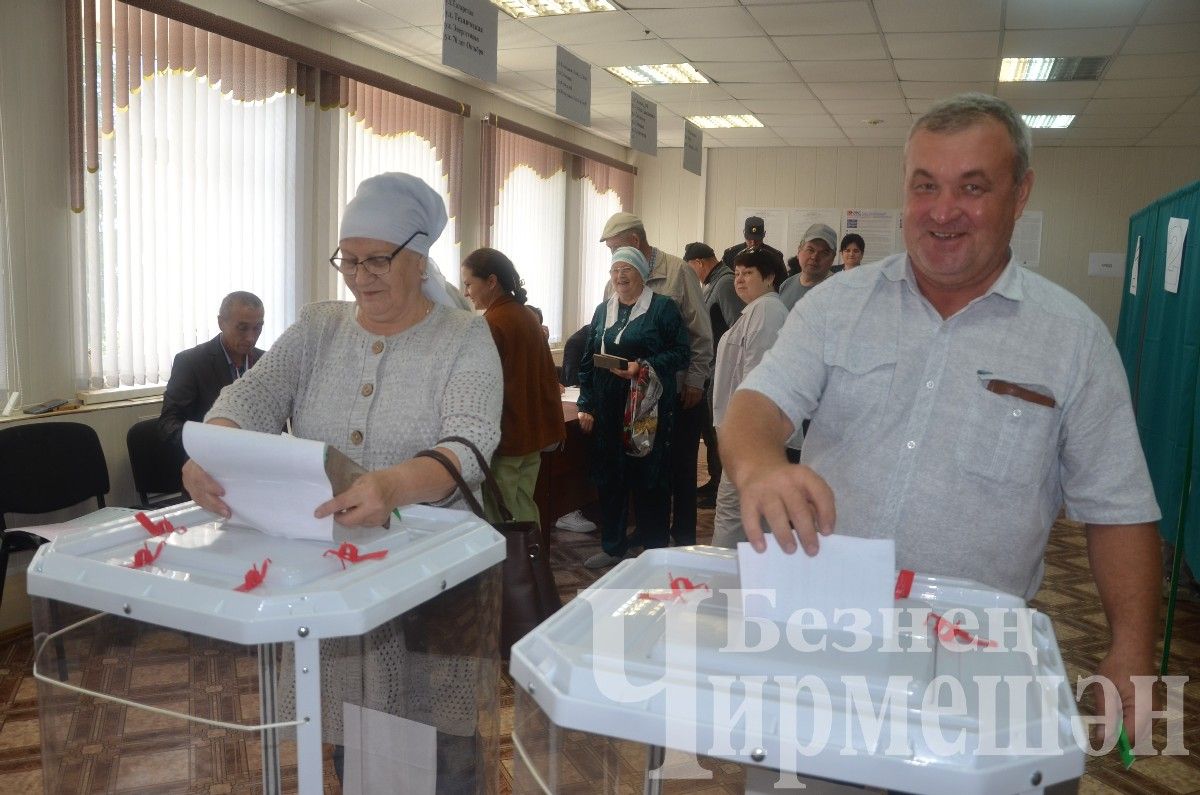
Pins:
x: 958, y: 401
x: 815, y: 258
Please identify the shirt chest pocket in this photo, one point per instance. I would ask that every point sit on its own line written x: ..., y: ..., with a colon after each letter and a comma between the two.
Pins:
x: 859, y: 382
x: 1010, y: 435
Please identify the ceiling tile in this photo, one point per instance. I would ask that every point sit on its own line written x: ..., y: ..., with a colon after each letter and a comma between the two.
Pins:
x: 1127, y: 67
x: 1135, y: 105
x: 1191, y: 106
x: 706, y: 107
x: 1149, y: 87
x: 845, y: 71
x: 804, y: 106
x: 736, y: 50
x: 862, y: 47
x: 1071, y: 13
x: 1154, y: 39
x: 347, y: 16
x: 1069, y: 89
x: 1170, y: 136
x: 528, y: 58
x: 1170, y: 12
x: 914, y: 89
x: 919, y: 105
x: 1183, y: 120
x: 760, y: 136
x: 1082, y: 133
x: 943, y: 45
x: 1118, y: 120
x: 749, y: 72
x: 626, y: 53
x: 878, y: 90
x: 684, y: 93
x: 973, y: 69
x: 692, y: 22
x: 420, y: 13
x: 1050, y: 106
x: 515, y: 33
x: 798, y: 121
x: 404, y: 41
x: 1062, y: 43
x: 822, y: 140
x: 797, y: 20
x: 604, y: 26
x: 898, y: 16
x: 637, y: 4
x: 546, y: 78
x: 888, y: 122
x: 766, y: 91
x: 1114, y: 141
x: 516, y: 81
x: 866, y: 107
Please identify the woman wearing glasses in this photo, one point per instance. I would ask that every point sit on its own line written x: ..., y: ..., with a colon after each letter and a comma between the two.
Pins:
x: 647, y: 332
x: 381, y: 379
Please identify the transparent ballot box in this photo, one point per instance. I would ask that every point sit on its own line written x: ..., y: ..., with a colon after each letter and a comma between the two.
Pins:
x: 654, y: 679
x: 175, y: 653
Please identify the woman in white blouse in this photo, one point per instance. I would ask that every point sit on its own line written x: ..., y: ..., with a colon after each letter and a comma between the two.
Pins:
x: 756, y: 277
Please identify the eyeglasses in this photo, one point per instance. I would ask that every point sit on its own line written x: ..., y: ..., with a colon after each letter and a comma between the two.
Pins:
x: 621, y: 271
x: 378, y: 265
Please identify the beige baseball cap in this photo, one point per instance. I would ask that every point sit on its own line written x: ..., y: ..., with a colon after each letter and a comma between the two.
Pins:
x: 618, y: 223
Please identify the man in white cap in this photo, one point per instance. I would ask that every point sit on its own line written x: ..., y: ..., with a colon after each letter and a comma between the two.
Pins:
x: 670, y: 276
x: 958, y: 403
x: 815, y: 254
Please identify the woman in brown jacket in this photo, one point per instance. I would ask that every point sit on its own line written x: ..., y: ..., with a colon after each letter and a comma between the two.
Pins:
x: 532, y: 418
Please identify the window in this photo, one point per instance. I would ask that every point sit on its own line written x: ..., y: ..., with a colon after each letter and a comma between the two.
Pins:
x: 191, y: 162
x: 381, y: 131
x: 525, y: 212
x: 604, y: 190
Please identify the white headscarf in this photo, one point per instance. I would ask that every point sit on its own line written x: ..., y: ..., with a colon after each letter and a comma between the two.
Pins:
x: 630, y: 256
x: 401, y: 209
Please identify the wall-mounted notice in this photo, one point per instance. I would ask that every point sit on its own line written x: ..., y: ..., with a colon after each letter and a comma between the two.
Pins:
x: 1133, y: 269
x: 1027, y: 239
x: 1176, y: 236
x: 693, y: 147
x: 643, y: 124
x: 573, y: 88
x: 469, y: 38
x: 1107, y: 264
x: 880, y: 230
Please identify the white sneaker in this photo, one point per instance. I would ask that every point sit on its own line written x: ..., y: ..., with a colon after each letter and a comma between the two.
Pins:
x: 575, y: 522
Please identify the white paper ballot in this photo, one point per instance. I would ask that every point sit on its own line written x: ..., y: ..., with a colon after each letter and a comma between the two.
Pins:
x: 846, y: 573
x: 272, y: 483
x: 1177, y: 229
x: 570, y: 395
x: 387, y: 753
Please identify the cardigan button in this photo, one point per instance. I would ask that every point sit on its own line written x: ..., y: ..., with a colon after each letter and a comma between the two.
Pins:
x: 367, y: 389
x: 356, y: 437
x: 377, y: 347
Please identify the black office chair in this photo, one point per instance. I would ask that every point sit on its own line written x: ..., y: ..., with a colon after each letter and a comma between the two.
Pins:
x: 155, y: 464
x: 44, y: 467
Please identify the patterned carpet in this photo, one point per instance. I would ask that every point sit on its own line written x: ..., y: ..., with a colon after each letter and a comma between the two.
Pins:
x: 215, y: 679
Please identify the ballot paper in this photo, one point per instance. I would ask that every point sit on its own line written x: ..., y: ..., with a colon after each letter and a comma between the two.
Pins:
x: 388, y: 753
x: 272, y: 483
x: 847, y: 573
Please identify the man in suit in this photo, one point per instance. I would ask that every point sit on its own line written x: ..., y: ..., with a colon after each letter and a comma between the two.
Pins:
x: 199, y: 374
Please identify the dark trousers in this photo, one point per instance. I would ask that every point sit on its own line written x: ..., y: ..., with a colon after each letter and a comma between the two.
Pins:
x: 650, y: 508
x: 712, y: 455
x: 685, y: 445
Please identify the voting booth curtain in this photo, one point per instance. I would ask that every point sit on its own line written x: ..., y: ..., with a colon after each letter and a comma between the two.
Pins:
x: 1158, y: 335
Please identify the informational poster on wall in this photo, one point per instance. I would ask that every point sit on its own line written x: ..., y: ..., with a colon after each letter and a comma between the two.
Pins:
x: 880, y: 231
x: 573, y: 88
x: 469, y: 37
x: 1027, y: 239
x: 1177, y: 229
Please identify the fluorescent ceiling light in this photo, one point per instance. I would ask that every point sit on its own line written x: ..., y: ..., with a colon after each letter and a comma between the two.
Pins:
x: 1048, y: 122
x: 524, y: 9
x: 1038, y: 69
x: 658, y: 74
x: 724, y: 122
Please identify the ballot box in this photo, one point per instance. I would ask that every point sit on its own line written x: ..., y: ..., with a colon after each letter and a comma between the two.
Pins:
x: 175, y: 653
x: 654, y: 680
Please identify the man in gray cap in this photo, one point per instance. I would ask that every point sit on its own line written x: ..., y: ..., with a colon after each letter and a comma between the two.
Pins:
x: 670, y: 277
x: 815, y: 253
x: 754, y: 233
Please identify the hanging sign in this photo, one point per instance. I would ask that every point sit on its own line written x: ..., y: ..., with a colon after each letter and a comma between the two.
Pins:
x: 643, y: 124
x: 469, y: 38
x: 693, y: 147
x: 573, y: 88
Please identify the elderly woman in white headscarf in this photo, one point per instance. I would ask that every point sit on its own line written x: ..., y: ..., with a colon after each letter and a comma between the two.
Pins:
x: 648, y: 332
x: 382, y: 379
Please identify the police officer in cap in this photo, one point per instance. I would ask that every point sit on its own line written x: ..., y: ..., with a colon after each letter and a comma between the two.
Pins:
x: 754, y: 233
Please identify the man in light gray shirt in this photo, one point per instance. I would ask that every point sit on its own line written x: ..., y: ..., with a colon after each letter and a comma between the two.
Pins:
x: 815, y: 255
x: 958, y: 401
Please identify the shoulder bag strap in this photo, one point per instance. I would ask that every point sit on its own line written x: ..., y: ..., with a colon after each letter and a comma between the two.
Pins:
x: 489, y: 480
x: 458, y: 478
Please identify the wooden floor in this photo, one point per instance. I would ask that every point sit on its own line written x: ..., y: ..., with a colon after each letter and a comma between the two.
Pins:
x: 229, y: 762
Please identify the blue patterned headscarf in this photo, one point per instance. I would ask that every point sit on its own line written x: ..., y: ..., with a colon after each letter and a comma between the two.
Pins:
x: 635, y: 258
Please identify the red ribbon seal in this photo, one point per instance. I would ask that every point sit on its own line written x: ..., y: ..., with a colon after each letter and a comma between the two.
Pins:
x: 254, y: 577
x: 144, y: 557
x: 680, y: 587
x: 348, y: 553
x: 947, y: 632
x: 159, y: 528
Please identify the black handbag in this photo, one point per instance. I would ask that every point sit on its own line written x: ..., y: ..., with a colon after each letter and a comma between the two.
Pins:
x: 529, y: 594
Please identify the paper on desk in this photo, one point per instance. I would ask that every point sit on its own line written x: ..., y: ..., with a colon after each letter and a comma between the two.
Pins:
x: 846, y: 573
x: 272, y: 483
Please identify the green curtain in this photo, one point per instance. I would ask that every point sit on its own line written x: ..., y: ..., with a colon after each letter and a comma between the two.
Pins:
x: 1158, y: 336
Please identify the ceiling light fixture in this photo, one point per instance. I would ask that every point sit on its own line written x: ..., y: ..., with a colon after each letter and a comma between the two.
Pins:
x: 724, y: 122
x: 527, y: 9
x: 658, y: 74
x: 1049, y: 122
x: 1014, y: 70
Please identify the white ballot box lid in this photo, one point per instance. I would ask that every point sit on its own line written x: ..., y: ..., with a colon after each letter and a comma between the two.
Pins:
x: 657, y: 652
x: 191, y: 583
